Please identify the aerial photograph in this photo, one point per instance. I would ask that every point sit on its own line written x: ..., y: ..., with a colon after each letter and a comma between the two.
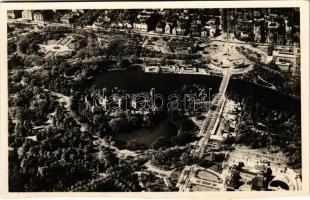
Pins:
x: 154, y: 100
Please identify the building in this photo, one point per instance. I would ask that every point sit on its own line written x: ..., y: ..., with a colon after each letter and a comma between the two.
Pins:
x: 281, y: 39
x: 128, y: 25
x: 233, y: 179
x: 296, y: 33
x: 78, y: 11
x: 245, y: 27
x: 288, y: 29
x: 142, y: 26
x: 256, y: 15
x: 60, y: 26
x: 244, y: 35
x: 258, y: 182
x: 179, y: 30
x: 66, y: 19
x: 195, y: 29
x: 272, y: 16
x: 211, y: 22
x: 288, y: 26
x: 272, y: 32
x: 167, y: 29
x: 296, y: 67
x: 38, y: 16
x: 209, y: 31
x: 210, y: 156
x: 141, y: 23
x: 257, y: 34
x: 216, y: 63
x: 106, y: 18
x: 97, y: 26
x: 14, y: 14
x: 205, y: 32
x: 287, y: 58
x: 173, y: 30
x: 160, y: 27
x: 69, y: 18
x: 27, y: 14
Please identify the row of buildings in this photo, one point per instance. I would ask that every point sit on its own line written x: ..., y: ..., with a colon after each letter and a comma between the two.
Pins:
x: 278, y: 26
x: 202, y: 22
x: 258, y: 25
x: 287, y: 58
x: 30, y: 15
x: 196, y: 28
x: 44, y: 15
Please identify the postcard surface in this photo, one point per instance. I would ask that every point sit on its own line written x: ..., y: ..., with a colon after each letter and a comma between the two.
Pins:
x: 155, y: 100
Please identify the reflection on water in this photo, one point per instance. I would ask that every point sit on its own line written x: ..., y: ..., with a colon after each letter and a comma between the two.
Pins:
x: 134, y: 80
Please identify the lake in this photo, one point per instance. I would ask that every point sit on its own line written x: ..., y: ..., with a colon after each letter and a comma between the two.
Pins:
x: 135, y: 80
x: 150, y: 135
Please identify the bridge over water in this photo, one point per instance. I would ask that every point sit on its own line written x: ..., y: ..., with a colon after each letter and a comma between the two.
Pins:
x: 211, y: 121
x: 208, y: 128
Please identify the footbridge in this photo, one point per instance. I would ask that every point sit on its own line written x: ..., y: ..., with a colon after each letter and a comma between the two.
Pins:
x: 212, y: 119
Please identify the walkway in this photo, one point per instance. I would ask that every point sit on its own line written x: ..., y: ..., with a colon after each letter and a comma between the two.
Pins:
x: 208, y: 128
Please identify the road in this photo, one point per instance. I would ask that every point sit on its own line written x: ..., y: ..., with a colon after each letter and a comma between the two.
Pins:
x: 209, y: 124
x: 212, y: 118
x: 208, y: 128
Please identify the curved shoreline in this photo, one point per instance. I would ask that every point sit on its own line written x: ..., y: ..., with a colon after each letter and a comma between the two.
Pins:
x: 295, y: 97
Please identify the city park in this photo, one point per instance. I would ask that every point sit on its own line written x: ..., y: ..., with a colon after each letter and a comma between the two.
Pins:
x: 218, y: 58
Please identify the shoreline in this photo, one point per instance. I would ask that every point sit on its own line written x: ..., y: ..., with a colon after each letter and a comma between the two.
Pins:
x: 211, y: 75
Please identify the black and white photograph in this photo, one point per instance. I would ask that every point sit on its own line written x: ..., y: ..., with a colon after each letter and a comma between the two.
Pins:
x: 154, y: 99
